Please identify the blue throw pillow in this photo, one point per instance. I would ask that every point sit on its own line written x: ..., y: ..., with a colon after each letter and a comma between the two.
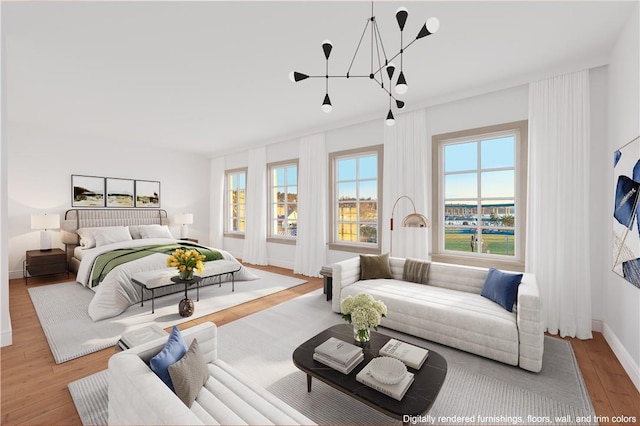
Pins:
x: 173, y: 351
x: 501, y: 287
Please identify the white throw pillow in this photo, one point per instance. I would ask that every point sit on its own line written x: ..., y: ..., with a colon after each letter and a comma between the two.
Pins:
x: 87, y: 237
x: 155, y: 231
x: 112, y: 234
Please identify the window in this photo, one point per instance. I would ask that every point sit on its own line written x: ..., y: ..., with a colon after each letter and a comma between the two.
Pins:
x: 356, y: 192
x: 236, y: 188
x: 283, y: 200
x: 480, y: 179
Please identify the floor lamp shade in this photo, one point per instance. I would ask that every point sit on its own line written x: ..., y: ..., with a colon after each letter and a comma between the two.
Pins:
x: 415, y: 220
x: 45, y: 222
x: 412, y: 220
x: 184, y: 219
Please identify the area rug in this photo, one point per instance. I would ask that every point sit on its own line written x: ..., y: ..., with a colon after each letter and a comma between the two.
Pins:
x: 71, y: 333
x: 476, y: 390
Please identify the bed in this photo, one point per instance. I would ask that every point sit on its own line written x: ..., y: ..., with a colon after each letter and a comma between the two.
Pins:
x: 91, y: 235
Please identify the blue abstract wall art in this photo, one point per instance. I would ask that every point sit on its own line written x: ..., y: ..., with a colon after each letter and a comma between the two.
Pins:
x: 626, y: 212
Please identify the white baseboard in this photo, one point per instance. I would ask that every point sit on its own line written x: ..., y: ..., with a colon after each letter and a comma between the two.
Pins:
x: 596, y: 325
x: 629, y: 365
x: 15, y: 275
x: 6, y: 338
x: 282, y: 264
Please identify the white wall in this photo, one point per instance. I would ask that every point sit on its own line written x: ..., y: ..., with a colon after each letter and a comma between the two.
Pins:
x: 6, y: 334
x: 41, y: 162
x: 5, y: 319
x: 621, y: 307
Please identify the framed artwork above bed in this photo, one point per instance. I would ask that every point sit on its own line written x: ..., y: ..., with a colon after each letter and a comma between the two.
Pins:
x: 147, y: 193
x: 98, y: 191
x: 87, y: 191
x: 120, y: 192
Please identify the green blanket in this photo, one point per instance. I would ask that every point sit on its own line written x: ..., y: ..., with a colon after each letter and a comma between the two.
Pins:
x: 104, y: 263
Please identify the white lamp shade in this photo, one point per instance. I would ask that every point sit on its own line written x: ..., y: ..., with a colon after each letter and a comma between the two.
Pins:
x: 184, y: 218
x: 415, y: 220
x: 45, y: 221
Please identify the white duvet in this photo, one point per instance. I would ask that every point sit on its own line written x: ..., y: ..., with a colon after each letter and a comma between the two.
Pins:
x: 116, y: 292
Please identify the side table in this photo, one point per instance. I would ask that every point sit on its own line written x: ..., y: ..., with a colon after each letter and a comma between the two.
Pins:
x: 44, y: 262
x: 327, y: 273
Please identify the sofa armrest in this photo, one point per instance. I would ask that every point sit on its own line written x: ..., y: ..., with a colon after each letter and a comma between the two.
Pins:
x: 530, y: 323
x: 138, y: 396
x: 344, y: 273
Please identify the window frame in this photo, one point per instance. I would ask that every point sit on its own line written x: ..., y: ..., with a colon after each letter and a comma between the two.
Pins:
x: 227, y: 202
x: 270, y: 201
x: 355, y: 247
x: 439, y: 254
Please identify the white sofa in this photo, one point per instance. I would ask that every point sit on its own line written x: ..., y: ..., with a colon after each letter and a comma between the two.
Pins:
x: 450, y: 310
x: 138, y: 396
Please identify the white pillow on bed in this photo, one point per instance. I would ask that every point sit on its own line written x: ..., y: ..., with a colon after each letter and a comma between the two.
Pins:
x: 87, y: 237
x: 155, y: 231
x: 112, y: 234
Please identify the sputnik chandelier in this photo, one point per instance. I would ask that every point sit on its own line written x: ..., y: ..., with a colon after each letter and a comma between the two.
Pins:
x: 379, y: 61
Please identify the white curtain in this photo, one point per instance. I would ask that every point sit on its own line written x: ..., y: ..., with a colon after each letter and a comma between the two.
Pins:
x: 558, y: 201
x: 255, y: 236
x: 216, y: 203
x: 311, y: 249
x: 407, y: 171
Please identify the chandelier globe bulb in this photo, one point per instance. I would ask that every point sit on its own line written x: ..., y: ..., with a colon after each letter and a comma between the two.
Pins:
x: 401, y: 84
x: 433, y: 25
x: 326, y: 104
x: 390, y: 121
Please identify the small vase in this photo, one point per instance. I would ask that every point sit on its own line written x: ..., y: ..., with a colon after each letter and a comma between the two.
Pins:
x: 362, y: 335
x: 186, y: 307
x: 186, y: 275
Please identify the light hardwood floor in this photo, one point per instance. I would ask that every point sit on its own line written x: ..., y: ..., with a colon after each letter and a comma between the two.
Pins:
x: 34, y: 388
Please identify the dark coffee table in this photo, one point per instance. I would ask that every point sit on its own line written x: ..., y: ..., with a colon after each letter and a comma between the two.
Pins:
x: 418, y: 399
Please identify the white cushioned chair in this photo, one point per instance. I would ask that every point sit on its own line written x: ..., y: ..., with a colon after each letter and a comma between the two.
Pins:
x: 138, y: 396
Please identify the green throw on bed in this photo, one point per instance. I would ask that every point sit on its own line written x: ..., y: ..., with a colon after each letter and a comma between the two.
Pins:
x: 104, y: 263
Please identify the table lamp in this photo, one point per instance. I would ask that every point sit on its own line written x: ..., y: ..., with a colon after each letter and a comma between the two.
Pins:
x: 184, y: 219
x: 45, y: 222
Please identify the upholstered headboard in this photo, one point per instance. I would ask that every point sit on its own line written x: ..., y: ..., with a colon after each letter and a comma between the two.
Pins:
x: 89, y: 218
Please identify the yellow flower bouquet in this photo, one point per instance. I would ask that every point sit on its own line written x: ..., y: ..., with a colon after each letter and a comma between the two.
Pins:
x: 187, y: 262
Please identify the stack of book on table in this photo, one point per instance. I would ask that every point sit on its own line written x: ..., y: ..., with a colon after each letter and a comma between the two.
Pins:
x: 412, y: 356
x: 339, y: 355
x: 395, y: 390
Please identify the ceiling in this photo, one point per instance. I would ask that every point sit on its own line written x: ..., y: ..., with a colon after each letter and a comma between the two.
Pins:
x: 212, y: 77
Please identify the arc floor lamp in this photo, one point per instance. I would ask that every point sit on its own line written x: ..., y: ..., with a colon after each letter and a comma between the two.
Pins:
x: 412, y: 220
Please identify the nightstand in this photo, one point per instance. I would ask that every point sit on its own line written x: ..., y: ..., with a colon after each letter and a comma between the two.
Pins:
x: 193, y: 240
x: 47, y: 262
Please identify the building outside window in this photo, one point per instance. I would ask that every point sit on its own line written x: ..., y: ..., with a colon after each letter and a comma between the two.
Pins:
x: 283, y: 200
x: 235, y: 190
x: 356, y: 194
x: 481, y: 184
